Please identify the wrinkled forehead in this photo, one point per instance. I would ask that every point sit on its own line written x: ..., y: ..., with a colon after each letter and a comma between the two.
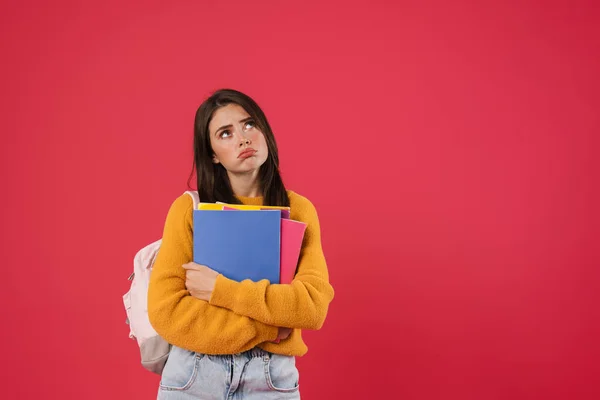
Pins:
x: 227, y: 115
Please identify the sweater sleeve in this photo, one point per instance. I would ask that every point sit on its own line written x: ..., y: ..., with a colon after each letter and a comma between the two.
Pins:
x: 180, y: 318
x: 301, y: 304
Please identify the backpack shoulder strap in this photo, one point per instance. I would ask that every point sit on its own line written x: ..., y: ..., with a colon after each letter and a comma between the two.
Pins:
x: 195, y: 197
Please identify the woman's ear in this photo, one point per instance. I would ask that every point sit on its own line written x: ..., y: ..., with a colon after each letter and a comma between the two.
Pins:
x: 215, y: 160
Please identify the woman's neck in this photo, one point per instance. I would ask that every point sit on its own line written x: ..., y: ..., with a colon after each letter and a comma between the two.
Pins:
x: 245, y: 185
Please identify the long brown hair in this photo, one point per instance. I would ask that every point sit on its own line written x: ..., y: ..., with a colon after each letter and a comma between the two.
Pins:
x: 212, y: 179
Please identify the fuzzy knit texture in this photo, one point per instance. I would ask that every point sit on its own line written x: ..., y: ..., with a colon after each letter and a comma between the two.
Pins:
x: 239, y: 315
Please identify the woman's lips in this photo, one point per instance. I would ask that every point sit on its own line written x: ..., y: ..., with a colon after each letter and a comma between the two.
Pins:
x: 247, y: 153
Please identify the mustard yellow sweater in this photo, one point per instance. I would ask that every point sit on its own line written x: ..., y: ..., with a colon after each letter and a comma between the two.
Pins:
x: 239, y: 315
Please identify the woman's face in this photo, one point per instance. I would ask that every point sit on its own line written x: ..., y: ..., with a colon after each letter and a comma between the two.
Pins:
x: 236, y: 141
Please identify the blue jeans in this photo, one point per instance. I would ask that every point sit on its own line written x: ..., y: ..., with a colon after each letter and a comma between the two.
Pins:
x: 251, y: 375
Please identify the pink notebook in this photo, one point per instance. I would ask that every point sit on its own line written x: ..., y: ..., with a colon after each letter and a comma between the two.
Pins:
x: 292, y: 234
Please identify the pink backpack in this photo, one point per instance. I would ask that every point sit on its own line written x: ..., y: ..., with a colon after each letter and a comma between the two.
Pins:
x: 154, y: 350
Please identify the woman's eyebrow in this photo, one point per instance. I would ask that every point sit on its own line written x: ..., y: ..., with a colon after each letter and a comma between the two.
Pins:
x: 229, y: 126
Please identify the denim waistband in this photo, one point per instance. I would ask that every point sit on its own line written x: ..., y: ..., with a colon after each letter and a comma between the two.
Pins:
x: 255, y: 352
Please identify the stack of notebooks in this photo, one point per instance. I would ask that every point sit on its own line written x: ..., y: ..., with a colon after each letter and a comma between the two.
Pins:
x: 248, y: 242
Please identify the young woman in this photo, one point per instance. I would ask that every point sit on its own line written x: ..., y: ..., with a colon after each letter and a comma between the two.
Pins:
x: 234, y: 340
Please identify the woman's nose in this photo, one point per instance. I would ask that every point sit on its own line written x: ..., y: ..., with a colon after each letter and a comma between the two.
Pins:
x: 245, y: 141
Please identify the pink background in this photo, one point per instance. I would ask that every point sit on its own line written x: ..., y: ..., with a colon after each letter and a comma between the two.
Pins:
x: 451, y: 149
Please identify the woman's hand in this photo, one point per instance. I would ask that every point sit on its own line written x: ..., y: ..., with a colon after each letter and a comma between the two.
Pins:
x: 283, y: 334
x: 200, y: 280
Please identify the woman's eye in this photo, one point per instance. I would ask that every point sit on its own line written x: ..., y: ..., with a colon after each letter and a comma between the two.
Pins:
x: 249, y: 125
x: 224, y: 133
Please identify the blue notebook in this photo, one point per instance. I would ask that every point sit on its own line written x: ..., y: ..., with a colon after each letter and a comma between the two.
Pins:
x: 239, y: 244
